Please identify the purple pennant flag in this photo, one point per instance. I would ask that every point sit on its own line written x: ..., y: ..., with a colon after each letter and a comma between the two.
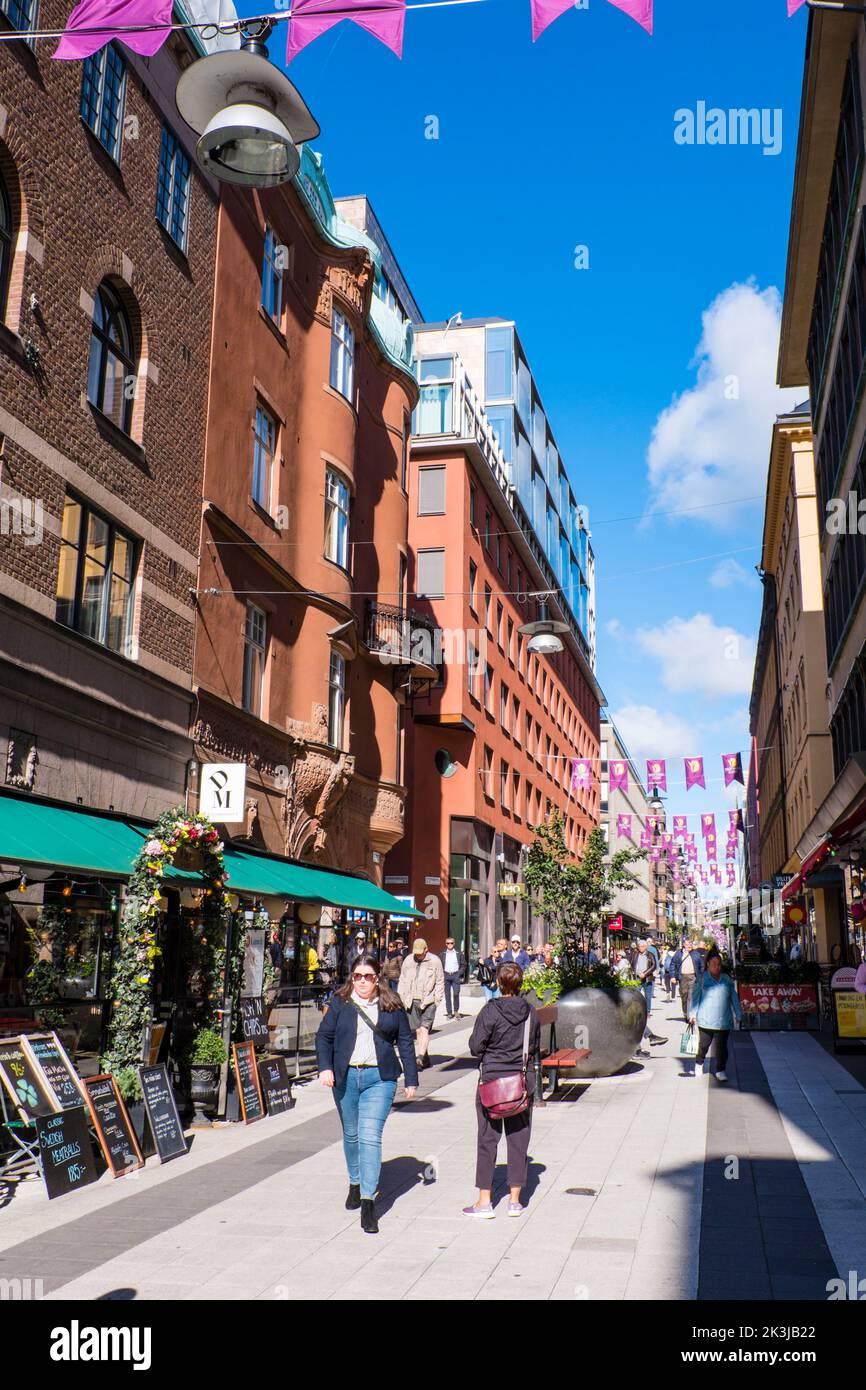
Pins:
x: 730, y: 852
x: 618, y: 776
x: 667, y: 839
x: 656, y: 774
x: 681, y: 825
x: 794, y: 6
x: 111, y: 17
x: 646, y: 840
x: 384, y: 19
x: 690, y: 838
x: 623, y: 827
x: 544, y: 12
x: 581, y: 774
x: 708, y: 825
x: 695, y: 773
x: 692, y: 851
x: 655, y: 855
x: 733, y: 768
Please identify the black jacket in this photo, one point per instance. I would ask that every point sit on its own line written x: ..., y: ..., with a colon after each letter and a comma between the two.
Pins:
x: 461, y: 963
x: 497, y: 1038
x: 338, y: 1031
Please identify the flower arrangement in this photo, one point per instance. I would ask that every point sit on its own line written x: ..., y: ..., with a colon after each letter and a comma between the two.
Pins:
x: 138, y: 948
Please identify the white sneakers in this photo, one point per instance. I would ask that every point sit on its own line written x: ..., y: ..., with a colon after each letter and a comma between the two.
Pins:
x: 721, y: 1076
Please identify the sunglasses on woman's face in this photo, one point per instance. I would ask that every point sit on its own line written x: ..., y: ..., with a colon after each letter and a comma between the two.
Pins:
x: 363, y: 977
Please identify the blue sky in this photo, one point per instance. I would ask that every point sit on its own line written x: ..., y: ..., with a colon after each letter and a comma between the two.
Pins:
x: 570, y: 142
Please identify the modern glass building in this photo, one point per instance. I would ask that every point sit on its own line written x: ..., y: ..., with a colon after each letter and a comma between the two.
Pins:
x: 485, y: 355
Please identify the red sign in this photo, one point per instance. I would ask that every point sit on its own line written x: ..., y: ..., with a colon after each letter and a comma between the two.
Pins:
x: 778, y: 999
x: 615, y: 923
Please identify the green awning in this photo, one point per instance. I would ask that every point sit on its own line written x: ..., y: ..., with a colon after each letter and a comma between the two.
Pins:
x: 63, y: 837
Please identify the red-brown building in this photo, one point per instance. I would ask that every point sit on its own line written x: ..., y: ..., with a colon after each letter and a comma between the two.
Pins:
x: 304, y: 521
x: 490, y: 746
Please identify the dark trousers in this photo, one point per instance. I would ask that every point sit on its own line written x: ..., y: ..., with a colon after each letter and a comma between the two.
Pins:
x: 705, y: 1040
x: 517, y: 1131
x: 452, y: 994
x: 687, y: 985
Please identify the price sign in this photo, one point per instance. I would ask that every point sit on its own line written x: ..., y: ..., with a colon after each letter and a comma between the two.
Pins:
x: 52, y: 1060
x: 253, y: 1022
x: 276, y: 1085
x: 65, y: 1151
x: 112, y: 1125
x: 249, y: 1086
x: 162, y: 1116
x: 21, y: 1075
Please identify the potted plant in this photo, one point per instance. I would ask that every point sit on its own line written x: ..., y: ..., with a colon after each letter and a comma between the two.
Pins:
x: 598, y: 1009
x: 204, y: 1057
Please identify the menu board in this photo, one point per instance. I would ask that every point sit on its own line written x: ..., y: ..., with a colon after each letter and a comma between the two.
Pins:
x: 54, y: 1063
x: 27, y: 1087
x: 249, y: 1086
x: 276, y: 1085
x: 65, y: 1151
x: 112, y: 1124
x: 850, y: 1010
x: 162, y: 1116
x: 253, y: 1022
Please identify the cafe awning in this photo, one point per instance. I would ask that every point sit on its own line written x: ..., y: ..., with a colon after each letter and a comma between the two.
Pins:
x: 47, y: 834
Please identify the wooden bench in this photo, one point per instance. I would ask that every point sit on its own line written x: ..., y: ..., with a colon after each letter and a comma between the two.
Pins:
x: 562, y: 1059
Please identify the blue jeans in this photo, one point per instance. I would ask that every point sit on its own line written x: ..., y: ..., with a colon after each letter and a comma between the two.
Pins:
x: 647, y: 991
x: 490, y: 993
x: 364, y: 1101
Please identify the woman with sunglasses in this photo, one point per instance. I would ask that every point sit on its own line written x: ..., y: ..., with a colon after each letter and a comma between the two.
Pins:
x: 355, y: 1052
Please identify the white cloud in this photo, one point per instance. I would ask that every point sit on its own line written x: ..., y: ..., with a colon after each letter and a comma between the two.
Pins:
x: 711, y: 444
x: 697, y: 657
x: 730, y: 573
x: 613, y: 626
x: 653, y: 733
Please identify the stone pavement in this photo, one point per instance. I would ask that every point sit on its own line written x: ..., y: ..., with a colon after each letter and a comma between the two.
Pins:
x: 653, y: 1184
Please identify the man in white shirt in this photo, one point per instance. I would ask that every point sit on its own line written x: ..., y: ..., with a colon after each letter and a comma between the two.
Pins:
x: 454, y: 967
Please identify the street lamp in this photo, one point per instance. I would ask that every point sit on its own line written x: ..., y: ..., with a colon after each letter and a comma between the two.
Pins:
x: 543, y: 634
x: 250, y: 117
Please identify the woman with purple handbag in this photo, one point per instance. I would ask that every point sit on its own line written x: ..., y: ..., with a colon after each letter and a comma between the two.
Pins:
x: 504, y: 1039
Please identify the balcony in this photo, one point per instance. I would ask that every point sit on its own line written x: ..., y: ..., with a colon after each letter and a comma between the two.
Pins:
x: 402, y: 638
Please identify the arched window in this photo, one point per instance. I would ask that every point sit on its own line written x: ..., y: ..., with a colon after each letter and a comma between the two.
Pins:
x: 5, y: 245
x: 111, y: 373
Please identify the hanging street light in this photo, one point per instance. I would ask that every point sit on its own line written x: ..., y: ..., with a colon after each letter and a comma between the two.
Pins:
x: 544, y: 632
x: 251, y: 119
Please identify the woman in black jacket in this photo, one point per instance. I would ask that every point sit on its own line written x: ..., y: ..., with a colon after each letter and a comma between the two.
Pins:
x: 498, y: 1041
x: 356, y: 1059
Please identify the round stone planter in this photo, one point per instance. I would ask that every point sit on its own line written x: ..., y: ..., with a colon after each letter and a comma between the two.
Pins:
x: 610, y: 1022
x: 204, y: 1090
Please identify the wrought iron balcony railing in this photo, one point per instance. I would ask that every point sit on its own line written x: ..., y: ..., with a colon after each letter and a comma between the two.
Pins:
x: 401, y: 637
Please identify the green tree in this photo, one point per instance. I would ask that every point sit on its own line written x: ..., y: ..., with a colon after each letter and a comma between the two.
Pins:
x: 573, y: 897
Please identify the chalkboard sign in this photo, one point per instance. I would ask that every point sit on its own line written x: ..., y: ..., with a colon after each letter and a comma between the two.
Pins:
x: 276, y: 1085
x: 112, y: 1124
x: 27, y: 1087
x: 253, y: 1022
x: 162, y: 1116
x: 54, y: 1063
x: 249, y: 1086
x: 65, y: 1151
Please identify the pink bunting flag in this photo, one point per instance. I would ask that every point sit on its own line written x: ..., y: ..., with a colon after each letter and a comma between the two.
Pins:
x: 384, y: 19
x: 690, y: 838
x: 695, y: 773
x: 623, y: 827
x: 708, y: 825
x: 667, y: 839
x: 794, y: 6
x: 732, y: 764
x: 111, y: 18
x: 654, y: 823
x: 544, y: 12
x: 692, y: 851
x: 618, y: 776
x: 581, y: 774
x: 681, y: 825
x: 730, y: 852
x: 646, y: 840
x: 656, y: 774
x: 655, y: 855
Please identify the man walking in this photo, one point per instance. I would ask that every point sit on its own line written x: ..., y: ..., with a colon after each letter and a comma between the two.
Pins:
x: 421, y: 988
x: 454, y: 968
x: 644, y: 967
x: 688, y: 966
x: 516, y: 954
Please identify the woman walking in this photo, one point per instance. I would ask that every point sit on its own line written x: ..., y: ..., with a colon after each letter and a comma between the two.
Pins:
x: 356, y: 1058
x: 504, y: 1039
x: 714, y: 1006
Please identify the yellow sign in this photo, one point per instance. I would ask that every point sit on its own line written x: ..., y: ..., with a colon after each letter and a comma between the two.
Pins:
x: 850, y: 1013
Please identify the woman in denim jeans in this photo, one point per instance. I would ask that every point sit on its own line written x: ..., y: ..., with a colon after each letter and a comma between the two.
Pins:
x: 355, y: 1051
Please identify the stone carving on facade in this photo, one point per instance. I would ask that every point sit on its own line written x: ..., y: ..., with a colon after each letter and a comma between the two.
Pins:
x: 352, y: 285
x: 234, y: 745
x: 25, y: 775
x: 251, y: 810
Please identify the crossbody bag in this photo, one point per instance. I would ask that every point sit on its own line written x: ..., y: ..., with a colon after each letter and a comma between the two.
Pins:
x: 507, y: 1095
x: 377, y: 1030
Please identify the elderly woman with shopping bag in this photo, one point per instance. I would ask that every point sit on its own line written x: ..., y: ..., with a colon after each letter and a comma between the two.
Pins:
x: 714, y: 1006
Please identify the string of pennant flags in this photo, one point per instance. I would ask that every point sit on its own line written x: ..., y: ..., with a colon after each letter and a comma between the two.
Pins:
x: 656, y: 773
x: 144, y: 25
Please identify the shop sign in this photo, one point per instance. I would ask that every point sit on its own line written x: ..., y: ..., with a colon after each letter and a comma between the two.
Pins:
x: 778, y: 1002
x: 433, y: 881
x: 396, y: 878
x: 512, y: 890
x: 849, y: 1006
x: 223, y: 792
x: 615, y: 923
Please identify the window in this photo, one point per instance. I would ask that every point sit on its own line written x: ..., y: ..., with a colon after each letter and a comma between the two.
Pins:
x: 436, y: 401
x: 510, y: 647
x: 172, y: 188
x: 472, y: 668
x: 499, y: 366
x: 255, y: 646
x: 404, y: 452
x: 336, y: 519
x: 431, y: 491
x: 504, y: 771
x: 342, y: 356
x: 499, y: 551
x: 528, y: 734
x: 6, y: 245
x: 22, y: 14
x: 111, y: 371
x: 398, y: 758
x: 473, y: 503
x: 95, y: 578
x: 264, y: 448
x: 487, y: 532
x: 487, y: 768
x: 515, y: 720
x: 273, y: 265
x: 503, y: 705
x: 488, y: 688
x: 430, y: 582
x: 336, y: 700
x: 502, y: 420
x: 103, y: 89
x: 473, y: 579
x: 515, y: 790
x: 499, y: 617
x: 488, y: 606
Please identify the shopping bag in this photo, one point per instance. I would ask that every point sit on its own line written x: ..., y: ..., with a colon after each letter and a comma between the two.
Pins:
x: 689, y: 1042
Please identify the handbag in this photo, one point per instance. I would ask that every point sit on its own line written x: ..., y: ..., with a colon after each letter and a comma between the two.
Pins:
x: 377, y: 1030
x: 689, y: 1042
x: 505, y: 1096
